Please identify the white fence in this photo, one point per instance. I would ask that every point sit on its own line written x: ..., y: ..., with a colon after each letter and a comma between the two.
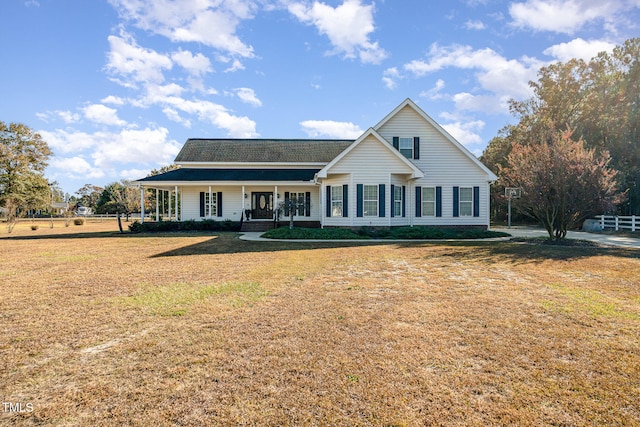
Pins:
x: 631, y: 223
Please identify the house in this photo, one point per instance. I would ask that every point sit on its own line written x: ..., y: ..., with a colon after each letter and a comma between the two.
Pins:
x: 404, y: 171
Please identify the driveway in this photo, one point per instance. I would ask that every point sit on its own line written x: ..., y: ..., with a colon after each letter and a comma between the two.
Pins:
x: 605, y: 239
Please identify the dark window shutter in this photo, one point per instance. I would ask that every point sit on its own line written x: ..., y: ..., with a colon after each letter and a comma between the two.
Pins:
x: 404, y: 201
x: 307, y: 203
x: 476, y: 201
x: 393, y: 201
x: 396, y: 142
x: 359, y: 201
x: 202, y: 204
x: 456, y: 201
x: 219, y: 203
x: 286, y: 203
x: 345, y: 200
x: 381, y: 201
x: 416, y: 147
x: 328, y: 202
x: 438, y: 201
x: 418, y: 202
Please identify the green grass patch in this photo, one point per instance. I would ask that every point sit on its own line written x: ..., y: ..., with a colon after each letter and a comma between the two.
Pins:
x: 177, y: 298
x: 403, y: 233
x: 590, y: 301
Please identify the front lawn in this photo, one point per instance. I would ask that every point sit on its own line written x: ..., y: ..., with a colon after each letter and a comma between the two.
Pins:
x: 196, y: 329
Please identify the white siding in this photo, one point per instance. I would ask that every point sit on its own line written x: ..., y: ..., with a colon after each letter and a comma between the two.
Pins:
x: 443, y: 164
x: 233, y: 200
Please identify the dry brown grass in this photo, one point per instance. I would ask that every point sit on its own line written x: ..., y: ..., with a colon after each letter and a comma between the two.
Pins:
x: 196, y: 329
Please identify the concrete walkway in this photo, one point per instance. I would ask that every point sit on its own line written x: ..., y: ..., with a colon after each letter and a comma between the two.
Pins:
x: 604, y: 239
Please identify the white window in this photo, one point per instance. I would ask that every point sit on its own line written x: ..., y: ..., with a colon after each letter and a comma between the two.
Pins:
x: 298, y: 203
x: 406, y: 147
x: 370, y: 200
x: 397, y: 200
x: 336, y: 200
x: 466, y: 201
x: 428, y: 201
x: 210, y: 209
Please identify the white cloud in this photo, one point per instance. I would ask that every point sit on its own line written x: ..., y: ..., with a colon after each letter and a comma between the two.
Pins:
x: 435, y: 92
x: 248, y: 96
x: 130, y: 61
x: 196, y: 65
x: 474, y: 24
x: 133, y: 174
x: 578, y: 48
x: 110, y: 149
x: 74, y: 167
x: 495, y: 73
x: 63, y: 141
x: 143, y: 146
x: 390, y: 77
x: 210, y: 22
x: 347, y: 26
x: 114, y: 100
x: 331, y: 129
x: 101, y: 114
x: 467, y: 133
x: 562, y: 16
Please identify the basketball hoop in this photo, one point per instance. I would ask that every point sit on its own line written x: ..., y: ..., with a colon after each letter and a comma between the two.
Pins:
x: 511, y: 193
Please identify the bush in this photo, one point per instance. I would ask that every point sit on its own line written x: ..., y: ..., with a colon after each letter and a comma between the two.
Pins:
x: 78, y: 221
x: 312, y: 233
x: 190, y: 225
x: 381, y: 233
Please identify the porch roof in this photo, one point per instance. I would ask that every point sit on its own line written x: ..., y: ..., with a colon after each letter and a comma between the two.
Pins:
x: 193, y: 174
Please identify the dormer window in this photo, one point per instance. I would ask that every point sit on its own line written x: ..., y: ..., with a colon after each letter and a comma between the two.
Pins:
x: 409, y: 147
x: 406, y: 147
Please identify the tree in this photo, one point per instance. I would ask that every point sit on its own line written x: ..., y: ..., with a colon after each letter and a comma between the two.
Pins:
x: 89, y: 195
x: 23, y: 158
x: 119, y: 198
x: 600, y: 101
x: 562, y: 182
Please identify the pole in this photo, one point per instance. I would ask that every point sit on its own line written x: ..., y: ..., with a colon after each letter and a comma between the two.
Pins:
x: 509, y: 223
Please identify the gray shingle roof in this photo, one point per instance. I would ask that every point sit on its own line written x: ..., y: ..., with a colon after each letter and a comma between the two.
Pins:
x: 261, y: 150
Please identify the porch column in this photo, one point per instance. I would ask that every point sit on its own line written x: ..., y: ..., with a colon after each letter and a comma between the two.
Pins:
x: 323, y: 210
x: 157, y: 206
x: 211, y: 203
x: 169, y: 203
x: 177, y: 219
x: 243, y: 205
x: 275, y: 203
x: 141, y: 204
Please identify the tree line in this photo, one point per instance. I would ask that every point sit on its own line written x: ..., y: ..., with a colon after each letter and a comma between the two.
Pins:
x: 575, y: 149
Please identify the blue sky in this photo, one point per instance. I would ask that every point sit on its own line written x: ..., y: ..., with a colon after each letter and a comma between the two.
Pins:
x: 116, y: 86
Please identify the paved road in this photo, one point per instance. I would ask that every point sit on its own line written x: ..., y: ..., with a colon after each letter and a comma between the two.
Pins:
x: 605, y: 239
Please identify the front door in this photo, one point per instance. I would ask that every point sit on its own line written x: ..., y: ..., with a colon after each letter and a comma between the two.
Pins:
x: 262, y: 204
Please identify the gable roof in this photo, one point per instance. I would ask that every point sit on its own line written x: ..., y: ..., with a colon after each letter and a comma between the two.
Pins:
x: 415, y: 171
x: 197, y: 150
x: 408, y: 102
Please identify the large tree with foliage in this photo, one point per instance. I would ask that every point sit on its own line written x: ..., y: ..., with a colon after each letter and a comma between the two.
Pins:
x: 89, y: 195
x: 562, y: 182
x: 23, y: 158
x: 598, y: 99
